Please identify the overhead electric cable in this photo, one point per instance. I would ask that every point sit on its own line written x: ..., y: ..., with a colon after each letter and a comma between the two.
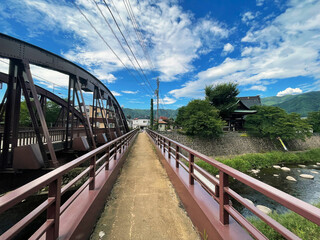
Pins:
x: 140, y: 40
x: 110, y: 27
x: 127, y: 43
x: 128, y: 34
x: 102, y: 38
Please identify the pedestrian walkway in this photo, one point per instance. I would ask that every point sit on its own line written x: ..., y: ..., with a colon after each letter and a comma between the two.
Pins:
x: 143, y: 203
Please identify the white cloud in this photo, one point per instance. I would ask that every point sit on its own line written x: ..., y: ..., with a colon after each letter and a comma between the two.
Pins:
x: 289, y: 91
x: 259, y: 2
x: 130, y: 92
x: 167, y: 100
x: 163, y: 24
x: 49, y: 77
x: 228, y: 48
x: 4, y: 65
x: 246, y: 17
x: 116, y: 94
x: 289, y: 46
x: 258, y: 88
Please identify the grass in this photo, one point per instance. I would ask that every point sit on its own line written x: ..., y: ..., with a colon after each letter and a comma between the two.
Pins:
x: 250, y: 161
x: 292, y: 221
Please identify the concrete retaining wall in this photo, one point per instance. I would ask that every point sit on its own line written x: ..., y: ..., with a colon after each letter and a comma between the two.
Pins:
x: 233, y: 143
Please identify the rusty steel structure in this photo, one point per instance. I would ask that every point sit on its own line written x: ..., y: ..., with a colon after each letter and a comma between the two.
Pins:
x: 209, y: 207
x: 73, y: 114
x: 76, y: 216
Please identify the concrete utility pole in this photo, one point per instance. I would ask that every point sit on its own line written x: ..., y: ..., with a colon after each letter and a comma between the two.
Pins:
x: 157, y: 93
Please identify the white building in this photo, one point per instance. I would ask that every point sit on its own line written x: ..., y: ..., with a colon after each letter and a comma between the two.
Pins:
x: 140, y: 123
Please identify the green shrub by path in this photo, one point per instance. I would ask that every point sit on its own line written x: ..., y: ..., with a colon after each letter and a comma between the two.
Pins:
x: 292, y: 221
x: 250, y: 161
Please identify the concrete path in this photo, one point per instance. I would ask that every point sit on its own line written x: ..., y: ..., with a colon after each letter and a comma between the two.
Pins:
x: 143, y: 204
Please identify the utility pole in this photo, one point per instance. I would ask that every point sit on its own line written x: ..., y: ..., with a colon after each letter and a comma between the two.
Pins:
x: 157, y: 93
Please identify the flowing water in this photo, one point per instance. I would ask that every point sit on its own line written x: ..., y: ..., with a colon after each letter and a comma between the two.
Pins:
x: 307, y: 190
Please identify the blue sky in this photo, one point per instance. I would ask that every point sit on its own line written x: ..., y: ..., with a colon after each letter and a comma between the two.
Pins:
x: 268, y: 47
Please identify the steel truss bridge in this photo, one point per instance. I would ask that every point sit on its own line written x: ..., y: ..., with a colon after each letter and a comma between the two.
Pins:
x: 73, y: 120
x: 205, y: 197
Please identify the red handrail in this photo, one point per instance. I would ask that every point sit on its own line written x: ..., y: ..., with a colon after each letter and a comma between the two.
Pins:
x: 53, y: 180
x: 223, y: 191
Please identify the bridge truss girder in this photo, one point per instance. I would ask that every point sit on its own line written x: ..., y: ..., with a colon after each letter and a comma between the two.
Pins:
x: 20, y: 80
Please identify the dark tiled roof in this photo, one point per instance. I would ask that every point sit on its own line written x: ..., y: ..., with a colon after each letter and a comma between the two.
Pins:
x: 250, y: 101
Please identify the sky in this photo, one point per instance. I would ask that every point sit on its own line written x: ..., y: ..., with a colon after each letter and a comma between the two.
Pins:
x: 267, y: 47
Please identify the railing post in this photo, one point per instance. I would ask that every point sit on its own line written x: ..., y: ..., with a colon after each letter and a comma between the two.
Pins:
x: 107, y: 158
x: 223, y: 197
x: 177, y: 156
x: 115, y: 150
x: 92, y: 173
x: 120, y: 146
x: 53, y: 211
x: 164, y: 145
x: 169, y: 149
x: 191, y: 161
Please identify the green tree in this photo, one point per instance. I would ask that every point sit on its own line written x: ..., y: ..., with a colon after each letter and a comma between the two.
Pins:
x: 223, y: 97
x: 314, y: 120
x: 25, y: 119
x: 151, y: 113
x: 199, y: 118
x: 273, y: 122
x: 52, y: 112
x: 180, y: 116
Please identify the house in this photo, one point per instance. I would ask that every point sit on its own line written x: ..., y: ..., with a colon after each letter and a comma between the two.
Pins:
x: 140, y: 123
x: 237, y: 118
x: 162, y: 125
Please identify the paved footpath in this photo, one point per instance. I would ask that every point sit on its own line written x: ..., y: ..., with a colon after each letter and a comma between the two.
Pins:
x: 143, y: 203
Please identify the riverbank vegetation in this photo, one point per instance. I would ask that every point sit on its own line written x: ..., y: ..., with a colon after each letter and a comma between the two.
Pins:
x: 292, y: 221
x: 250, y: 161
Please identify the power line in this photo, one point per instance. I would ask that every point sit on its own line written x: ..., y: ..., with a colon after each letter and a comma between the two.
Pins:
x: 102, y: 38
x: 127, y: 43
x: 128, y: 34
x: 135, y: 27
x: 121, y: 43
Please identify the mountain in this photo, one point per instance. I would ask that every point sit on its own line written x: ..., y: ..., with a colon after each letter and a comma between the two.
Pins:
x: 145, y: 113
x: 302, y: 103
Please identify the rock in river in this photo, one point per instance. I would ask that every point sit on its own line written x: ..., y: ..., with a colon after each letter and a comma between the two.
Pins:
x: 315, y: 172
x: 291, y: 178
x: 286, y: 169
x: 308, y: 176
x: 301, y: 165
x: 264, y: 209
x: 255, y: 171
x: 249, y: 201
x: 276, y: 166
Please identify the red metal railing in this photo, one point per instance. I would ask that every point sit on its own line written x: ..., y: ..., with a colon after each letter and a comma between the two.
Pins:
x: 110, y: 151
x: 222, y: 191
x: 28, y: 136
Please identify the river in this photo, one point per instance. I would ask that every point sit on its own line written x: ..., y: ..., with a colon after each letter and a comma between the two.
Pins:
x: 307, y: 190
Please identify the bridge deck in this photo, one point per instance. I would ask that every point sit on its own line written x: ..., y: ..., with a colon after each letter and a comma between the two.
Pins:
x: 143, y: 204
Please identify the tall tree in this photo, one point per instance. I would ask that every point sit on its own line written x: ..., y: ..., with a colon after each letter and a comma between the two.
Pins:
x: 199, y: 118
x: 314, y: 120
x: 151, y: 113
x: 223, y: 97
x: 273, y: 122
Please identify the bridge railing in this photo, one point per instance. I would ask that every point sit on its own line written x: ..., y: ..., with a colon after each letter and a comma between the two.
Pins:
x: 110, y: 151
x: 221, y: 191
x: 28, y: 136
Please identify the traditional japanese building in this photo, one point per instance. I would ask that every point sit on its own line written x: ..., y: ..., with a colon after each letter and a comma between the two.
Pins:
x: 237, y: 118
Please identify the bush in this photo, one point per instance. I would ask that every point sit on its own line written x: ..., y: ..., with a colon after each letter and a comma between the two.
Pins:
x: 292, y: 221
x: 247, y: 162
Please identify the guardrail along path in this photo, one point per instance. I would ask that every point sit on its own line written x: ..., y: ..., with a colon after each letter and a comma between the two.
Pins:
x: 143, y: 203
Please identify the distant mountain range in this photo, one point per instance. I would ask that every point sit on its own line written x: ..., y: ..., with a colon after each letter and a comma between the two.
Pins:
x: 145, y: 113
x: 302, y: 103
